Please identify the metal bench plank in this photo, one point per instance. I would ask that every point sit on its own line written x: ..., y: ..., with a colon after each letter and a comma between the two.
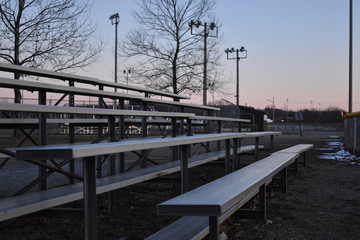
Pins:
x: 194, y: 227
x: 33, y: 202
x: 297, y: 148
x: 85, y: 150
x: 220, y: 119
x: 220, y: 194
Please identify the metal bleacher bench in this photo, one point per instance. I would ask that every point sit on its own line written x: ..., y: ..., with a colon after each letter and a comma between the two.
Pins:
x: 204, y: 208
x: 80, y: 79
x: 47, y: 87
x: 37, y: 201
x: 88, y: 152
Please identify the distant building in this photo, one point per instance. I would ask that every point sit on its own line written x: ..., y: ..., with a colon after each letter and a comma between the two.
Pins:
x: 255, y: 116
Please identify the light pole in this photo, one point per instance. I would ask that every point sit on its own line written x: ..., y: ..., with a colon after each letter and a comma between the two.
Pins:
x: 115, y: 19
x: 350, y: 53
x: 238, y: 57
x: 210, y: 30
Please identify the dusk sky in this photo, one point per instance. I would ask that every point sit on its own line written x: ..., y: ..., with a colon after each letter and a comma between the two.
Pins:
x: 297, y: 50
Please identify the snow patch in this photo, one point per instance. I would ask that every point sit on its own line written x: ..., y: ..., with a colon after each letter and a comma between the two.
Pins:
x: 340, y: 155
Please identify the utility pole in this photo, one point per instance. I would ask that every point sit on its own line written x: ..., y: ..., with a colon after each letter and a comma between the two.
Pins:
x: 350, y: 53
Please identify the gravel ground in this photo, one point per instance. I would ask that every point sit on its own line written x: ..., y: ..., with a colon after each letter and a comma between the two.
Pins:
x: 323, y: 202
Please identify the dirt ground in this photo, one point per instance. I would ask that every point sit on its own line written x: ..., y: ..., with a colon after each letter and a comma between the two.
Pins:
x: 323, y: 202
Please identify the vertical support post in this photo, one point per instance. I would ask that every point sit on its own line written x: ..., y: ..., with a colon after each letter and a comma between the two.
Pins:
x: 175, y: 149
x: 283, y: 174
x: 182, y: 131
x: 271, y: 143
x: 218, y: 147
x: 239, y: 155
x: 71, y: 132
x: 42, y: 136
x: 188, y: 124
x: 189, y: 133
x: 305, y: 159
x: 122, y: 136
x: 112, y: 138
x: 213, y: 228
x: 90, y: 210
x: 235, y: 162
x: 256, y: 148
x: 184, y: 169
x: 207, y: 127
x: 227, y: 157
x: 239, y: 126
x: 262, y: 201
x: 99, y: 133
x: 143, y: 132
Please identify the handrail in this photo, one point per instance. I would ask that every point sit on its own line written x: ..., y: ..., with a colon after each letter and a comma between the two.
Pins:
x: 350, y: 115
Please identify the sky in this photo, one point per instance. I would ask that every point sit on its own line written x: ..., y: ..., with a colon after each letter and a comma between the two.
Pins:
x: 297, y: 50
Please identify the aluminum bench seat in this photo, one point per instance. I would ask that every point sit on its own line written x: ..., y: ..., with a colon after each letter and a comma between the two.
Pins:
x: 225, y: 119
x: 299, y: 148
x: 32, y: 202
x: 6, y: 122
x: 215, y: 195
x: 218, y: 199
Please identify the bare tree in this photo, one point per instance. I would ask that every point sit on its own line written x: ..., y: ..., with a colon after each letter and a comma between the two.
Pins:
x: 52, y: 34
x: 167, y: 56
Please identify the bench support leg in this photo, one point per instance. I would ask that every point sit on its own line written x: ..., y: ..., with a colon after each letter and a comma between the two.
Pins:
x: 284, y: 179
x: 174, y: 133
x: 260, y: 212
x: 42, y: 137
x: 271, y: 143
x: 213, y: 227
x: 227, y: 156
x: 305, y: 159
x: 283, y: 182
x: 235, y: 162
x: 257, y: 148
x: 112, y: 159
x: 90, y: 211
x: 184, y: 169
x: 262, y: 201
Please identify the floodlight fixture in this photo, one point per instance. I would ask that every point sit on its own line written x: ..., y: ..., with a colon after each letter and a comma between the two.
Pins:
x: 210, y: 30
x: 115, y: 19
